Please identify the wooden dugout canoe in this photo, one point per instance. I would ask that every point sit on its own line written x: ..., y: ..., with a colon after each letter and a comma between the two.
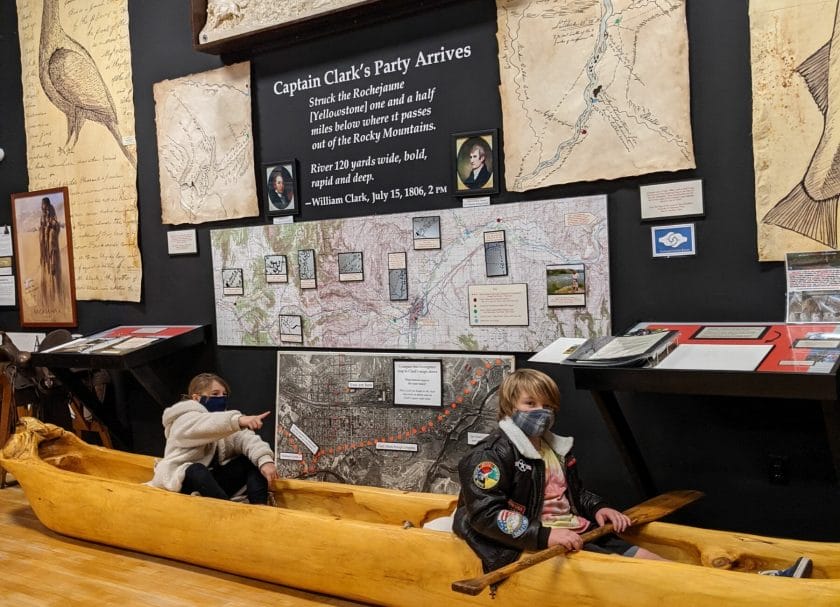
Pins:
x: 368, y: 544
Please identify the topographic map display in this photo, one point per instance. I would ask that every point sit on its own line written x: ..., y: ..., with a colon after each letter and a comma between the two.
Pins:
x: 205, y: 146
x: 361, y: 314
x: 593, y: 89
x: 795, y: 82
x: 336, y: 419
x: 227, y: 18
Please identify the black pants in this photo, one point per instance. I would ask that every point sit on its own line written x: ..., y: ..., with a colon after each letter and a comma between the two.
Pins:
x: 611, y: 544
x: 223, y: 481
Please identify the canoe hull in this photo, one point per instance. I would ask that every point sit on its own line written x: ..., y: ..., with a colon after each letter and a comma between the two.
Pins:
x: 379, y: 562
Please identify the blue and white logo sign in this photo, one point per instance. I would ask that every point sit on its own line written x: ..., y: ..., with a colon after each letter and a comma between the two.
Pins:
x: 673, y: 240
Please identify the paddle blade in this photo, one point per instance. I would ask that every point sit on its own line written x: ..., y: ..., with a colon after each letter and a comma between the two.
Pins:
x: 661, y: 505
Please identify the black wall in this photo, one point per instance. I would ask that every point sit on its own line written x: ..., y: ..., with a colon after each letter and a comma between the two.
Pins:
x: 718, y: 445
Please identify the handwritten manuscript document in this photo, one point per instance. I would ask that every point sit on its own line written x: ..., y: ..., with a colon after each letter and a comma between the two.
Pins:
x: 79, y: 113
x: 795, y: 87
x: 593, y: 90
x: 205, y: 146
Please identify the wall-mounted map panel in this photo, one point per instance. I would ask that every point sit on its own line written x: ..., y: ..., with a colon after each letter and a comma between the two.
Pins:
x: 437, y: 314
x: 336, y: 418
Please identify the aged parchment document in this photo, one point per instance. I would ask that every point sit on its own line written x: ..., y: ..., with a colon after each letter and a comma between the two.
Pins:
x: 228, y: 18
x: 796, y: 126
x: 593, y: 90
x: 79, y: 114
x: 206, y: 147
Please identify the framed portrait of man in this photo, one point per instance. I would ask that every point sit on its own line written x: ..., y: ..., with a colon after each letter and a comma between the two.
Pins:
x: 475, y: 163
x: 281, y: 191
x: 43, y: 249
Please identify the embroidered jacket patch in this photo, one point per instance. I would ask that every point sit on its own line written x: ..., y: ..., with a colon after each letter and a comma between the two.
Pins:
x: 512, y: 523
x: 486, y: 475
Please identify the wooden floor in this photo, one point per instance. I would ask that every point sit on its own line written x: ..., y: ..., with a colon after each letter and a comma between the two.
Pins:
x: 39, y: 568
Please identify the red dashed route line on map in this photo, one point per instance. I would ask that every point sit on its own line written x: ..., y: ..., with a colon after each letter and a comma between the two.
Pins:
x: 309, y: 468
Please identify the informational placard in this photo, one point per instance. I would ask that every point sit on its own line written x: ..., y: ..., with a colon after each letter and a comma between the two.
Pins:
x: 674, y: 199
x: 7, y: 290
x: 731, y: 332
x: 813, y: 286
x: 498, y: 305
x: 418, y: 382
x: 304, y: 438
x: 372, y: 130
x: 6, y: 241
x: 181, y: 242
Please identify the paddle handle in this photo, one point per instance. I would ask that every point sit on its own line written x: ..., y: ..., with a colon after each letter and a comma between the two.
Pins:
x: 650, y: 510
x: 474, y: 586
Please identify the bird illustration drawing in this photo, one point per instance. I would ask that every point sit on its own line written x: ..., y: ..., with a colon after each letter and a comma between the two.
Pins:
x: 195, y: 161
x: 73, y: 83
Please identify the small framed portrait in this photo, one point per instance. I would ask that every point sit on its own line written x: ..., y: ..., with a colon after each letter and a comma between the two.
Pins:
x: 476, y: 163
x: 43, y: 249
x: 281, y: 191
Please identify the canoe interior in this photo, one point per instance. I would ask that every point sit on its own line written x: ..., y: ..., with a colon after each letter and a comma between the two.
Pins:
x: 369, y: 504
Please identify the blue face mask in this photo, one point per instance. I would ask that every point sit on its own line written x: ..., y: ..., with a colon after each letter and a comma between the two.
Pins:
x: 214, y: 403
x: 533, y: 423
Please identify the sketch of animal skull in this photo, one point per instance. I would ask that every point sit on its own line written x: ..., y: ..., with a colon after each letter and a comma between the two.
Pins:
x: 219, y: 11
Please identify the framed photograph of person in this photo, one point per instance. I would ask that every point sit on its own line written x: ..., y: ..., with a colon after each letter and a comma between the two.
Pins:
x: 475, y: 163
x: 281, y: 192
x: 43, y: 247
x: 565, y: 285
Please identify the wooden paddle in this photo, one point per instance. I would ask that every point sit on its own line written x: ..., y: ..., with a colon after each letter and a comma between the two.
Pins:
x: 650, y: 510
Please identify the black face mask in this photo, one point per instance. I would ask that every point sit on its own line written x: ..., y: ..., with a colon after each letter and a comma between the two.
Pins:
x: 214, y: 403
x: 533, y: 423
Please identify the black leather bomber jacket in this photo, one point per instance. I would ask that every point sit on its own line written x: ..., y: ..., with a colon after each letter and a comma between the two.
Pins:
x: 502, y: 492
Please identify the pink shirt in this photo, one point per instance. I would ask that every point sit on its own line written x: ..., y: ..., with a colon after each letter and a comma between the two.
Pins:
x: 556, y: 511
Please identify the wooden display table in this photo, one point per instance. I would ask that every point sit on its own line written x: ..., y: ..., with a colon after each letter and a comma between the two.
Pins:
x: 124, y: 348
